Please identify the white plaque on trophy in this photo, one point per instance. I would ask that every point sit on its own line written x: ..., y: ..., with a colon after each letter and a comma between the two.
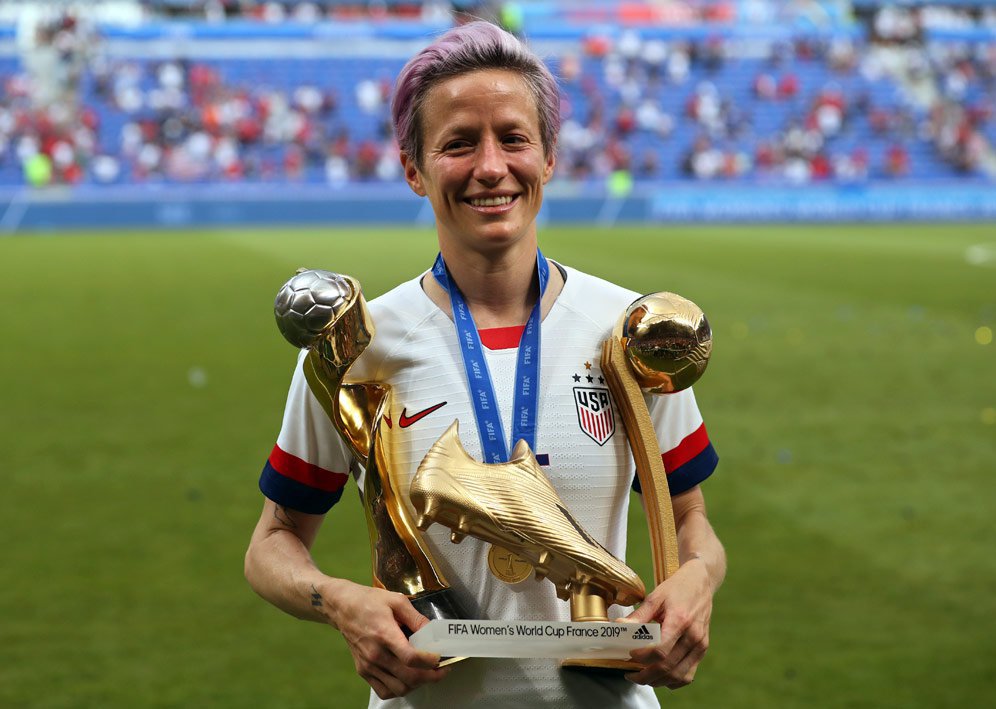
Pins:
x: 535, y: 638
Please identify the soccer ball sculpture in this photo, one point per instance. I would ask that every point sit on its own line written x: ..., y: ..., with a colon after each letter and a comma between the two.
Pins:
x: 308, y: 303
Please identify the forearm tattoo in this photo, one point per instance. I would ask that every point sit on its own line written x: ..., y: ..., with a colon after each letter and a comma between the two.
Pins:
x: 280, y: 514
x: 316, y: 597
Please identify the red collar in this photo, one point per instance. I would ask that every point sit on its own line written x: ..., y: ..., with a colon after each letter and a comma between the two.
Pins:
x: 502, y: 338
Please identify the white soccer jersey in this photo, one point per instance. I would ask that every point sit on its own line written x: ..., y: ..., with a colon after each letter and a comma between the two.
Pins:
x: 580, y: 445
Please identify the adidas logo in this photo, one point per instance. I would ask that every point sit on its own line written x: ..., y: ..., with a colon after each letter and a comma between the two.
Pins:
x: 642, y: 634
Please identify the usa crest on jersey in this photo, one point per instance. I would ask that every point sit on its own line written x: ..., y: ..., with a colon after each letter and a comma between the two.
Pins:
x: 595, y: 413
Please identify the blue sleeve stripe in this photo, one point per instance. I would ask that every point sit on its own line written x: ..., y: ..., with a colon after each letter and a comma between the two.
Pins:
x: 297, y: 496
x: 690, y: 474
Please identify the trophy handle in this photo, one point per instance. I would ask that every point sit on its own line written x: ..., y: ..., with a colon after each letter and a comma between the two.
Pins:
x: 647, y: 456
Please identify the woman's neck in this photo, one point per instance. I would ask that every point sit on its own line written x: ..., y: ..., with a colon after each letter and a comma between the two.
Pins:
x: 499, y: 292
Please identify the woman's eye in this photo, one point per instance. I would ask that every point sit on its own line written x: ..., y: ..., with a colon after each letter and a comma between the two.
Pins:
x: 456, y: 145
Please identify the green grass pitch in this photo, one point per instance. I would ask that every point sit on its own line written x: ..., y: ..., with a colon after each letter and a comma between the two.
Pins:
x: 851, y: 397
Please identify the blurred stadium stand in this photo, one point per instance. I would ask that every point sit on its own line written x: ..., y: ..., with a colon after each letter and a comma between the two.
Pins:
x: 184, y: 111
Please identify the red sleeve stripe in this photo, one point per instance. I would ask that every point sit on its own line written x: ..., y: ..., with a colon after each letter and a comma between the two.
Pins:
x: 690, y: 446
x: 292, y: 467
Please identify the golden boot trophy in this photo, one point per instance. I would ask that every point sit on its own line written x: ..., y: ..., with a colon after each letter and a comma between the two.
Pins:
x: 326, y: 314
x: 661, y: 344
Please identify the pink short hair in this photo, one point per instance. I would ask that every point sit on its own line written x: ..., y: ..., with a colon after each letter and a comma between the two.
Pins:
x: 475, y: 46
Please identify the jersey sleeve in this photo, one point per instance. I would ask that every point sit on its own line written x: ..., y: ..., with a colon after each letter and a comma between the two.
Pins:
x: 689, y: 457
x: 309, y: 465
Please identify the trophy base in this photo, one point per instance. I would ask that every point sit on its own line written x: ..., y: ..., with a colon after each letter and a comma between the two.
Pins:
x: 608, y: 667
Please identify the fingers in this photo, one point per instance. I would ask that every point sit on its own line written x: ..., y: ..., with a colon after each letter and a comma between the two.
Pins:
x: 671, y: 667
x: 407, y: 616
x: 672, y: 630
x: 388, y: 686
x: 684, y: 671
x: 650, y: 610
x: 416, y: 659
x: 644, y: 614
x: 380, y: 685
x: 386, y: 659
x: 655, y: 658
x: 390, y: 675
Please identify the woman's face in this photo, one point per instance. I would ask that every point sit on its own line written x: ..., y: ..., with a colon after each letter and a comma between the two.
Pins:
x: 483, y: 163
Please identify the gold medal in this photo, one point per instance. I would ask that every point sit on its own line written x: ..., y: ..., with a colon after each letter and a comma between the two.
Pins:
x: 508, y: 566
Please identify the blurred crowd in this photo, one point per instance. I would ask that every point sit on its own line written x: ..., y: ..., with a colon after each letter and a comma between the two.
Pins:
x: 904, y: 23
x: 44, y: 128
x: 276, y: 11
x: 634, y: 109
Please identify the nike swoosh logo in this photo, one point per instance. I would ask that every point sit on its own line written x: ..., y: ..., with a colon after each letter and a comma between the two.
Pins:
x: 405, y: 421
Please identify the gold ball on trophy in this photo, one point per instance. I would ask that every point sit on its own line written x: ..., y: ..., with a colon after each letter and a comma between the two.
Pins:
x: 667, y: 341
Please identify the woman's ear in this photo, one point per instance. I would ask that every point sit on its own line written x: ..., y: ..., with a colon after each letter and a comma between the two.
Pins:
x: 550, y: 166
x: 412, y: 176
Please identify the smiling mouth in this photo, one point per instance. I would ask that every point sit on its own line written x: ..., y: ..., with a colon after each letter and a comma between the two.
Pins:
x: 491, y: 201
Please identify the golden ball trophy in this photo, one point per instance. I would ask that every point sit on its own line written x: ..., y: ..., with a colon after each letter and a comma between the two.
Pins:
x: 660, y: 345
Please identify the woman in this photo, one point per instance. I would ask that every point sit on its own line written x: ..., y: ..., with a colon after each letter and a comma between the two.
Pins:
x: 476, y: 115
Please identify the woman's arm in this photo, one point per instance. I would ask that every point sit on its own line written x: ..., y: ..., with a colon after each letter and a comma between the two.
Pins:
x: 683, y: 603
x: 279, y: 567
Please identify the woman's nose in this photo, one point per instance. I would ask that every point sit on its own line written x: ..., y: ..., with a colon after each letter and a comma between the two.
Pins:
x: 491, y: 165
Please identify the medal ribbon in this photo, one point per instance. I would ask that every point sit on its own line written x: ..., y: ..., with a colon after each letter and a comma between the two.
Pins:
x: 525, y: 403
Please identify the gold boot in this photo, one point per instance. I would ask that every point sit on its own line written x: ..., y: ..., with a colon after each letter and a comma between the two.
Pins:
x: 514, y: 506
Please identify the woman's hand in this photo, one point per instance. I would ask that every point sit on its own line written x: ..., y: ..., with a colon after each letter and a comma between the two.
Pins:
x: 683, y: 606
x: 371, y: 621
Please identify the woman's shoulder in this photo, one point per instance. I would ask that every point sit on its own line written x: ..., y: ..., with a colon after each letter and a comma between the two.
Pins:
x: 404, y: 298
x: 594, y: 296
x: 400, y: 315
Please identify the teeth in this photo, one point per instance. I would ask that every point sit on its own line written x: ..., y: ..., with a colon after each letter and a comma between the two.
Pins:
x: 491, y: 201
